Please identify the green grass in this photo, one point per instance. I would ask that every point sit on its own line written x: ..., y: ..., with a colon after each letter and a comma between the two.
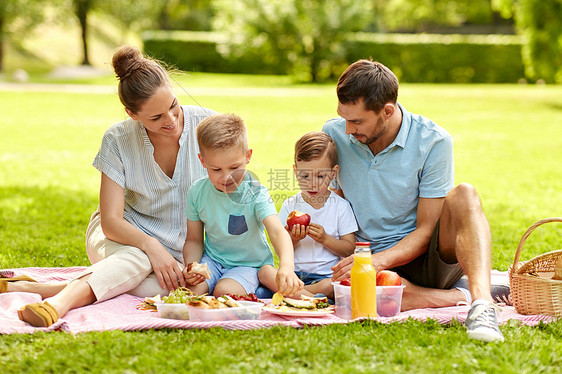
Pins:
x: 508, y: 143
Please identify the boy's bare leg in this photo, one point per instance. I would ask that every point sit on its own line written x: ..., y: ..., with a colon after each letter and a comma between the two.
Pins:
x: 267, y: 275
x: 324, y: 286
x: 228, y: 286
x: 200, y: 289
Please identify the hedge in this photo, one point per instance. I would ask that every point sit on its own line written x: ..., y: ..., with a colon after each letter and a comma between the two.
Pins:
x: 431, y: 58
x: 443, y: 58
x: 199, y: 51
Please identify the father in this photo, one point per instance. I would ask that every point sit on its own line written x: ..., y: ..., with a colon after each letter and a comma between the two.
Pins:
x: 397, y: 170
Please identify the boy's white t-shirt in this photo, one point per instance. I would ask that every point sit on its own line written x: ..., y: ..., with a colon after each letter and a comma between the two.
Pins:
x: 337, y: 218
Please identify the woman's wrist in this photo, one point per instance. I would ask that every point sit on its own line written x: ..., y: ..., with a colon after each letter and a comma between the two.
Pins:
x: 149, y: 244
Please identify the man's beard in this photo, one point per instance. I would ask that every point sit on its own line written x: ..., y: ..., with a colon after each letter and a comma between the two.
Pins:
x: 375, y: 137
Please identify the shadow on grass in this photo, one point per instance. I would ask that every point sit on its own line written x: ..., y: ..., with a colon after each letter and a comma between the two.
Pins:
x: 555, y: 105
x: 43, y: 226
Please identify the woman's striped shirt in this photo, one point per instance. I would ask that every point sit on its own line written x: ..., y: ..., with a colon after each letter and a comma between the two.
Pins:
x: 154, y: 202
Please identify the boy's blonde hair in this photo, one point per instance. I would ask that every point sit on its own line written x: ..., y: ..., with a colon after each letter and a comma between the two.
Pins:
x: 222, y: 131
x: 315, y: 145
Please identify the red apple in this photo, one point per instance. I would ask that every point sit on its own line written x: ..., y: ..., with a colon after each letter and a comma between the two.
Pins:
x: 346, y: 282
x: 388, y: 308
x: 296, y: 217
x: 388, y: 278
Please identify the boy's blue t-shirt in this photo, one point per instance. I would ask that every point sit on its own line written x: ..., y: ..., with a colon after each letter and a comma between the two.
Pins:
x: 234, y: 229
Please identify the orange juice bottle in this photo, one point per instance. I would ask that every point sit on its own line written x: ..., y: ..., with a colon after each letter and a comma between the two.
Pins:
x: 363, y: 283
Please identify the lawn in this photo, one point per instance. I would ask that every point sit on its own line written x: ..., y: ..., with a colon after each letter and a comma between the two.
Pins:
x: 508, y: 143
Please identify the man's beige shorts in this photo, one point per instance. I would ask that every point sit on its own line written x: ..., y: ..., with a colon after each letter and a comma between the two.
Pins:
x: 116, y: 268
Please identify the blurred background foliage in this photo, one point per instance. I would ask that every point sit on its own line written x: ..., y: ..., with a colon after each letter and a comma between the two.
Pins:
x: 310, y: 40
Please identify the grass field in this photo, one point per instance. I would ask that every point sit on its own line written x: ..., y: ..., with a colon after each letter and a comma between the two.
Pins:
x: 508, y: 143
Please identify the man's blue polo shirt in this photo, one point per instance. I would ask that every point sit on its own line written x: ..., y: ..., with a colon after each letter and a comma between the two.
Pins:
x: 384, y: 190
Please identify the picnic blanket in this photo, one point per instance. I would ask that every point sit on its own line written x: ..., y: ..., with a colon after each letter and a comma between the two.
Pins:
x: 121, y: 312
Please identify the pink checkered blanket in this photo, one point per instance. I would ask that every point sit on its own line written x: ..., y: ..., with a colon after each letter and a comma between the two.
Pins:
x: 121, y: 313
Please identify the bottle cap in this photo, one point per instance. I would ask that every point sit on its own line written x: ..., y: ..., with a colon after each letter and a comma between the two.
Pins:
x: 362, y: 244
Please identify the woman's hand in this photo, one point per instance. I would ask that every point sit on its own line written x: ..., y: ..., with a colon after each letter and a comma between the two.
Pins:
x: 287, y: 281
x: 165, y: 266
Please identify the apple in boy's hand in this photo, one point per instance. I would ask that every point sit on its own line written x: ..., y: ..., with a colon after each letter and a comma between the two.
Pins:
x: 388, y: 278
x: 296, y: 217
x: 346, y: 282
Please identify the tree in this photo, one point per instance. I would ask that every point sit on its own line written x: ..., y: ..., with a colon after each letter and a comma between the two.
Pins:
x: 540, y: 22
x: 306, y: 35
x: 17, y: 18
x: 132, y: 15
x: 82, y: 8
x: 193, y: 15
x: 422, y: 15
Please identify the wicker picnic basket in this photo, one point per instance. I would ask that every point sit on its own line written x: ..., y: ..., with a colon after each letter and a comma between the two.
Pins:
x: 531, y: 293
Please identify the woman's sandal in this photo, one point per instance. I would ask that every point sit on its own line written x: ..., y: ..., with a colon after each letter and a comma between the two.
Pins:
x: 39, y: 314
x: 4, y: 281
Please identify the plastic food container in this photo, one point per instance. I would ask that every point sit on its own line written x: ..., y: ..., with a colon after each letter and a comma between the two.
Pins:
x: 342, y: 298
x: 172, y: 311
x: 248, y: 310
x: 389, y: 300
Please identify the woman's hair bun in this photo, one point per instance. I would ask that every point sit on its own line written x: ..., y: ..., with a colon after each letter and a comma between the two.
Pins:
x: 126, y: 60
x: 139, y: 76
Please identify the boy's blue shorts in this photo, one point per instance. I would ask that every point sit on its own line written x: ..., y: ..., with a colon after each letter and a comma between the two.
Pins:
x: 310, y: 278
x: 245, y: 275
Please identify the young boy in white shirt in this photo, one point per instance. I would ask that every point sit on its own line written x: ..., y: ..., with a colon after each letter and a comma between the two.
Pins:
x: 330, y: 234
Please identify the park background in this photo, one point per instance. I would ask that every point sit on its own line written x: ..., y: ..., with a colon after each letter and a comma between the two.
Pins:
x: 56, y: 102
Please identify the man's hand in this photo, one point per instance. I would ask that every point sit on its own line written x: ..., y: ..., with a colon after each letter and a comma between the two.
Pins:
x: 342, y: 270
x: 165, y: 267
x: 316, y: 232
x: 287, y: 282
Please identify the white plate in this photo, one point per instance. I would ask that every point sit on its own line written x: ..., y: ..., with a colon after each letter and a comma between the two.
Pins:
x: 298, y: 313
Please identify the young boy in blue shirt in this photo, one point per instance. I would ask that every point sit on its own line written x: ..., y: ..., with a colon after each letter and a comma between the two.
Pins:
x: 227, y: 212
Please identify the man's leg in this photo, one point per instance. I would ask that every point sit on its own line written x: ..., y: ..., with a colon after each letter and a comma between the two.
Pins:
x: 417, y: 297
x: 464, y: 236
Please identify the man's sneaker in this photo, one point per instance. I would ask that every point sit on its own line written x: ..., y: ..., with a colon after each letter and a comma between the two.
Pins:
x: 482, y: 324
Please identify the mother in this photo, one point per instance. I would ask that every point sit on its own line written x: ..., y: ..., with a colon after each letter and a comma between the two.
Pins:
x: 147, y: 163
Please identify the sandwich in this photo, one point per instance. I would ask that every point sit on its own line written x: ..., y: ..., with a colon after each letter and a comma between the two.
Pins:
x: 198, y: 268
x: 211, y: 302
x: 305, y: 303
